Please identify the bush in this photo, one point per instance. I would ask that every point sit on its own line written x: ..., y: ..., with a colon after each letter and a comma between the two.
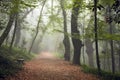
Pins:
x: 8, y: 60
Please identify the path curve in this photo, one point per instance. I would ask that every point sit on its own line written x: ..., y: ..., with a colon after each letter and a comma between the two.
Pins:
x: 47, y: 67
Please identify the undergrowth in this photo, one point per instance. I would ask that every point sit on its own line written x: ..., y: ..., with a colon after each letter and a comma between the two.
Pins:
x: 8, y: 60
x: 104, y: 74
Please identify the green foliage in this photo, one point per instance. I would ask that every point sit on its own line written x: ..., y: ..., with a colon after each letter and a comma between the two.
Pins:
x: 7, y: 66
x: 5, y: 6
x: 105, y: 55
x: 14, y: 6
x: 103, y: 31
x: 68, y: 6
x: 27, y: 4
x: 8, y: 61
x: 75, y: 35
x: 105, y: 75
x: 106, y: 2
x: 109, y: 36
x: 15, y: 54
x: 2, y: 23
x: 55, y: 18
x: 89, y: 33
x: 59, y: 55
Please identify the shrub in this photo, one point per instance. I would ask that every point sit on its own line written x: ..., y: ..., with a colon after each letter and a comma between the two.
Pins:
x: 8, y: 60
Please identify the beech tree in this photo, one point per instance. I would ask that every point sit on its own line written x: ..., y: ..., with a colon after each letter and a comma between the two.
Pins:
x: 7, y: 29
x: 66, y: 40
x: 77, y: 43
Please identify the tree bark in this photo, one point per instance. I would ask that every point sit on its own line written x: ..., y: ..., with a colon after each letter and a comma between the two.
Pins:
x: 7, y: 30
x: 89, y: 51
x: 77, y: 43
x: 16, y: 24
x: 15, y: 27
x: 18, y: 34
x: 96, y: 37
x: 119, y: 59
x: 66, y: 40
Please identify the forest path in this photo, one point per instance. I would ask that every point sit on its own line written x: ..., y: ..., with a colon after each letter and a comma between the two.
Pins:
x: 47, y: 67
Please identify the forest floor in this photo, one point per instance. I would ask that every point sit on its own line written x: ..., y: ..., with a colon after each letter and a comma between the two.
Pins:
x: 47, y: 67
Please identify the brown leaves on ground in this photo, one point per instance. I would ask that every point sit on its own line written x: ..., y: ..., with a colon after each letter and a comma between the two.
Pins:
x: 47, y: 67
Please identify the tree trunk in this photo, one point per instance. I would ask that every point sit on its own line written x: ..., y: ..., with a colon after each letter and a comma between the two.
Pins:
x: 41, y: 38
x: 119, y: 60
x: 89, y: 51
x: 37, y: 28
x: 96, y: 37
x: 18, y: 34
x: 108, y: 12
x: 18, y: 29
x: 77, y: 43
x: 66, y: 41
x: 37, y: 45
x: 8, y: 28
x: 16, y: 24
x: 6, y: 41
x: 112, y: 52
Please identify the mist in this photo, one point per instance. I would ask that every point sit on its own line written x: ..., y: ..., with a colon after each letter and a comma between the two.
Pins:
x: 80, y: 32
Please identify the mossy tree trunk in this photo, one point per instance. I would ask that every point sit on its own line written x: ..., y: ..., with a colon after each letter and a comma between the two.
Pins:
x: 66, y: 40
x: 77, y: 43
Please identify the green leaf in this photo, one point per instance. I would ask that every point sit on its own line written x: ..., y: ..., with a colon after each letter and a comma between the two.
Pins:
x: 26, y: 4
x: 106, y: 2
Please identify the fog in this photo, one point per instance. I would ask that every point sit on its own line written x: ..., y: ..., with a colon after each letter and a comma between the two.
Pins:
x: 71, y: 28
x: 51, y: 39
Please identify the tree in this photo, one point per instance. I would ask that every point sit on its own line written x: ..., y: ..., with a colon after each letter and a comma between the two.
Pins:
x: 110, y: 7
x: 18, y: 29
x: 7, y: 29
x: 96, y: 36
x: 16, y: 23
x: 89, y: 51
x: 37, y: 28
x: 14, y: 32
x: 77, y: 43
x: 66, y: 40
x: 111, y: 41
x: 11, y: 9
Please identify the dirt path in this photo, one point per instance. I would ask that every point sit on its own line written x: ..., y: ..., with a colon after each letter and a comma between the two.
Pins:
x: 47, y: 67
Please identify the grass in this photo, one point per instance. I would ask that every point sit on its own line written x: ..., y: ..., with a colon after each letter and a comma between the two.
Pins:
x: 8, y: 60
x: 105, y: 75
